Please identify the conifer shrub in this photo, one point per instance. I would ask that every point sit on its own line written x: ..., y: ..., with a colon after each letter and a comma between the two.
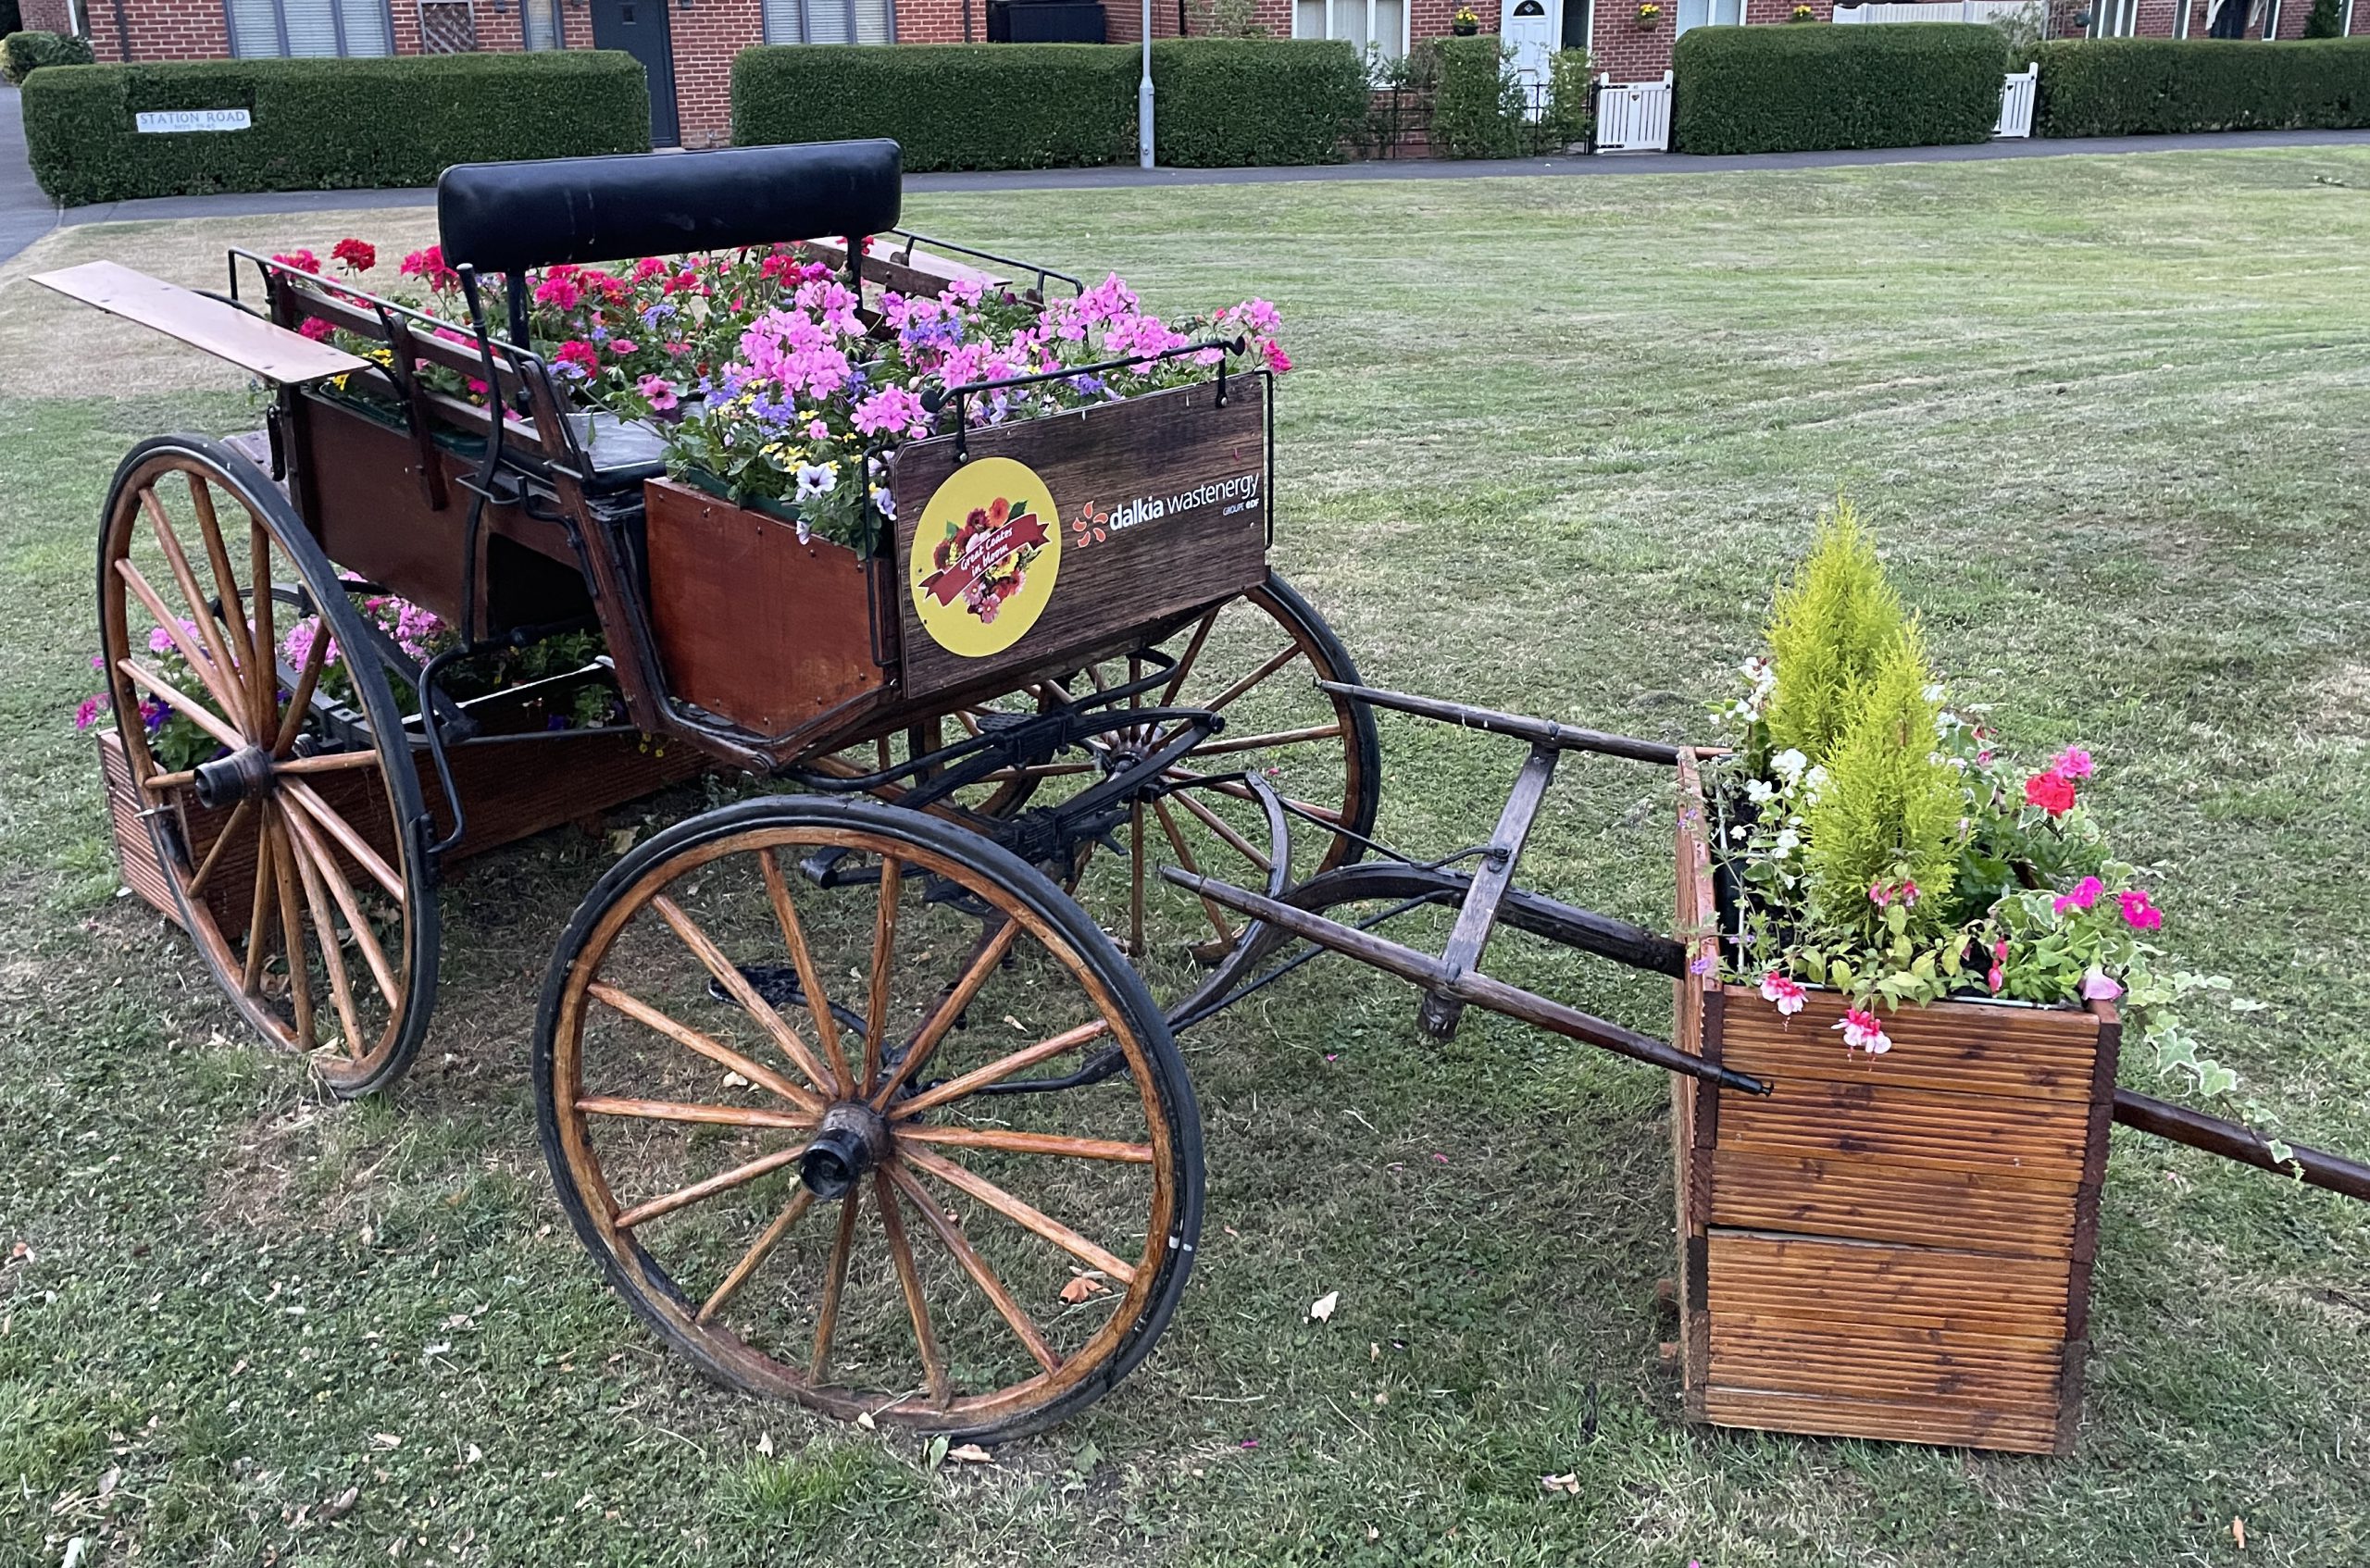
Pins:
x: 1831, y: 626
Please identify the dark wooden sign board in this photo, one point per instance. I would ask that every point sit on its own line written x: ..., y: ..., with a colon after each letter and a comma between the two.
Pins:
x: 1181, y: 484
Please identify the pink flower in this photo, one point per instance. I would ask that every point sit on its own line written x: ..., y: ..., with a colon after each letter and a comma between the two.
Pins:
x: 1995, y: 977
x: 1277, y: 360
x: 428, y: 267
x: 2051, y: 791
x: 1879, y: 894
x: 1998, y: 977
x: 303, y: 261
x: 88, y: 713
x: 2137, y: 912
x: 559, y: 290
x: 1785, y: 993
x: 817, y: 429
x: 582, y: 355
x: 892, y: 408
x: 1861, y: 1032
x: 316, y: 328
x: 2097, y: 987
x: 658, y: 391
x: 2073, y: 762
x: 2086, y: 893
x: 623, y: 347
x: 1908, y: 892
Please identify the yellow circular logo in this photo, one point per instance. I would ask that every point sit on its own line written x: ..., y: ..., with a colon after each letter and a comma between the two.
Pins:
x: 984, y: 555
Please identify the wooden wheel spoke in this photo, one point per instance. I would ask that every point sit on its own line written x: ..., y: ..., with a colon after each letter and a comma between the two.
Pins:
x: 292, y: 932
x: 1023, y: 1327
x: 1260, y: 743
x: 737, y: 986
x: 259, y: 914
x: 183, y: 703
x: 300, y: 697
x: 263, y: 675
x: 1027, y: 1142
x: 239, y: 814
x: 1185, y: 660
x: 810, y: 981
x: 762, y: 1248
x: 1185, y: 858
x: 1224, y: 830
x: 348, y: 840
x: 317, y: 854
x: 325, y: 929
x: 226, y: 581
x: 950, y: 1007
x: 210, y: 625
x: 827, y: 1316
x: 1225, y: 697
x: 680, y: 1111
x: 1020, y: 1211
x: 706, y: 1045
x: 723, y: 1181
x: 884, y: 945
x: 1003, y: 1067
x: 909, y: 1278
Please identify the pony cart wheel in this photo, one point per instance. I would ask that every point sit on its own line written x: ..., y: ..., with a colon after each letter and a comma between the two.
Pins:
x: 912, y: 1144
x: 1254, y: 660
x: 287, y: 826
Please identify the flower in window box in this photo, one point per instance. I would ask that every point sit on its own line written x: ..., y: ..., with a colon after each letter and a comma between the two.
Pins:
x: 1804, y: 14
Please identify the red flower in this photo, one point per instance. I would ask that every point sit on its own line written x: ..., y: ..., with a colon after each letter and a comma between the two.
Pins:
x: 316, y: 328
x: 428, y: 267
x: 582, y: 355
x: 356, y: 256
x: 303, y: 261
x: 2051, y: 791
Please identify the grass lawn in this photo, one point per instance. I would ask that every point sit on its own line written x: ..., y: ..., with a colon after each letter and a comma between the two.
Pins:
x: 1550, y: 441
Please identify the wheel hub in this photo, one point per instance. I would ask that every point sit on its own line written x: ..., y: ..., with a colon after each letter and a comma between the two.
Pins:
x: 851, y: 1142
x: 242, y: 776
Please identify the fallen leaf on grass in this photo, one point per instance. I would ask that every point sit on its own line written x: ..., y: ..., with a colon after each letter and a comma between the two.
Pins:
x: 766, y: 1444
x: 107, y: 1482
x: 340, y: 1505
x: 971, y: 1453
x: 864, y: 1419
x: 2239, y: 1532
x: 385, y: 1440
x: 1085, y: 1284
x: 474, y: 1455
x: 1322, y: 1308
x: 1569, y: 1485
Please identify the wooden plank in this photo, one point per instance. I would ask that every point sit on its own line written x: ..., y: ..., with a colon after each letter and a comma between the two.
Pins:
x: 223, y: 330
x: 1965, y: 1047
x: 1202, y: 537
x: 1971, y: 1210
x: 1909, y: 1127
x: 1847, y: 1283
x: 1973, y: 1371
x: 1893, y: 1420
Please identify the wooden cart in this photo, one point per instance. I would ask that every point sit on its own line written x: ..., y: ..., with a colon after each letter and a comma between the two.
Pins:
x: 937, y: 987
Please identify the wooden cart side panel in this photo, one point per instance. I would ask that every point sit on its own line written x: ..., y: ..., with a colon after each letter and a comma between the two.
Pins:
x: 1193, y: 541
x: 1948, y: 1047
x: 1920, y: 1128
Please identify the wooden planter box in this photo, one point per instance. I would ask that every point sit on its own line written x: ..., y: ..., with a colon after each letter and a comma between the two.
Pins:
x: 512, y: 787
x: 1894, y: 1247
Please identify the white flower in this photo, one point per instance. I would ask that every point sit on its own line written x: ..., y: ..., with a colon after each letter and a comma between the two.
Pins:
x: 1789, y: 764
x: 806, y: 530
x: 816, y: 479
x: 1740, y: 834
x: 884, y: 503
x: 1759, y: 792
x: 1787, y: 843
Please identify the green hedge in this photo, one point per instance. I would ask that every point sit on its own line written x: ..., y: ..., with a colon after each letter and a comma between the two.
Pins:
x: 326, y: 124
x: 1481, y: 111
x: 22, y: 53
x: 1802, y: 89
x: 950, y: 105
x: 1220, y: 102
x: 2148, y: 86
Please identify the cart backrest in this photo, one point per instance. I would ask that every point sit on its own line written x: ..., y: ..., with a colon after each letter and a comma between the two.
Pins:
x: 513, y: 217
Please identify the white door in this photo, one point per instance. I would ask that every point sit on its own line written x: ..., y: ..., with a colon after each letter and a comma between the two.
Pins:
x: 1525, y: 28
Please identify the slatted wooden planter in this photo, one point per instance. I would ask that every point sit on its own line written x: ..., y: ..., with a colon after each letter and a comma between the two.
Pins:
x: 512, y: 788
x: 1895, y: 1246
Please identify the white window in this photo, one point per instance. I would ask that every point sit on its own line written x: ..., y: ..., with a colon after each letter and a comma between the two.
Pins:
x: 541, y: 20
x: 1374, y: 27
x: 830, y: 21
x: 260, y: 28
x: 2114, y: 19
x: 1708, y: 13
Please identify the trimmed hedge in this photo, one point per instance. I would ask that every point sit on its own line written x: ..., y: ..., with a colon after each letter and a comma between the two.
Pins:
x: 950, y: 105
x: 1805, y: 89
x: 22, y: 54
x: 1221, y: 102
x: 1481, y: 111
x: 2149, y: 86
x: 327, y: 124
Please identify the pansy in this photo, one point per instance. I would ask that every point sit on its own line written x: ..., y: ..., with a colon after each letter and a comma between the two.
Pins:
x: 1861, y: 1032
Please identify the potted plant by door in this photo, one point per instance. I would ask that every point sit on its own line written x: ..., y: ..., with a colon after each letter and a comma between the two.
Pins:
x: 1934, y: 957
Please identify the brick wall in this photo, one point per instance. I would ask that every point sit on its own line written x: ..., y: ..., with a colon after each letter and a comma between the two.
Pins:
x: 161, y: 30
x: 45, y: 16
x: 941, y: 21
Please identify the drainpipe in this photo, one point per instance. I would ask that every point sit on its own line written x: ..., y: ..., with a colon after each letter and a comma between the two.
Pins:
x: 1143, y: 96
x: 122, y: 35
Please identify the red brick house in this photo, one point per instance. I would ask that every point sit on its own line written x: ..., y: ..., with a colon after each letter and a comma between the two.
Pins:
x: 688, y: 45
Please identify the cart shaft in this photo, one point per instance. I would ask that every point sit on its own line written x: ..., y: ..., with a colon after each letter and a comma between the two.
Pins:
x: 2232, y: 1140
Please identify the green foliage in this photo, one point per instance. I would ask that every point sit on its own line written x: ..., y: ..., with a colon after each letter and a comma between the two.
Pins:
x: 1831, y: 626
x: 22, y: 53
x: 327, y: 124
x: 1223, y: 101
x: 950, y: 105
x: 2326, y: 19
x: 1479, y: 108
x: 1797, y: 88
x: 2022, y: 31
x: 1888, y: 811
x: 2154, y: 86
x: 1260, y: 101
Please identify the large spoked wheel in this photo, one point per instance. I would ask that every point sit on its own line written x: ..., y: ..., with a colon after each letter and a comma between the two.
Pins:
x: 815, y: 1136
x: 1256, y: 661
x: 292, y: 840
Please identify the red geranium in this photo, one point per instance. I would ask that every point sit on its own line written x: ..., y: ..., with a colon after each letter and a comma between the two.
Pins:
x: 303, y: 261
x: 2051, y: 791
x: 355, y: 256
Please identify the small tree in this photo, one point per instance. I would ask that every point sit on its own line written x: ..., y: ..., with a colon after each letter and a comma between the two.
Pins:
x: 1830, y: 627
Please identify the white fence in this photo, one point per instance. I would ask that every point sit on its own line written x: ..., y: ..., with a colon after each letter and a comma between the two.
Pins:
x: 1632, y: 117
x: 2017, y: 95
x: 1938, y: 11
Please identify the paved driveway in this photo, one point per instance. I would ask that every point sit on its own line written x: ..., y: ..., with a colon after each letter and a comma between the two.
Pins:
x: 25, y: 214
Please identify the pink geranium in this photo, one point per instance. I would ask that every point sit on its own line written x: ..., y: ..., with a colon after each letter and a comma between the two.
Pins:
x: 2073, y: 762
x: 893, y: 409
x: 2051, y: 791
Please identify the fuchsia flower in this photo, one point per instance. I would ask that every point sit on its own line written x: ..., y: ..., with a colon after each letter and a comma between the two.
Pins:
x: 1861, y: 1032
x: 2137, y: 912
x: 2086, y: 893
x: 1998, y: 976
x: 2051, y: 791
x: 88, y: 713
x: 1785, y: 993
x: 1882, y: 893
x: 2073, y: 762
